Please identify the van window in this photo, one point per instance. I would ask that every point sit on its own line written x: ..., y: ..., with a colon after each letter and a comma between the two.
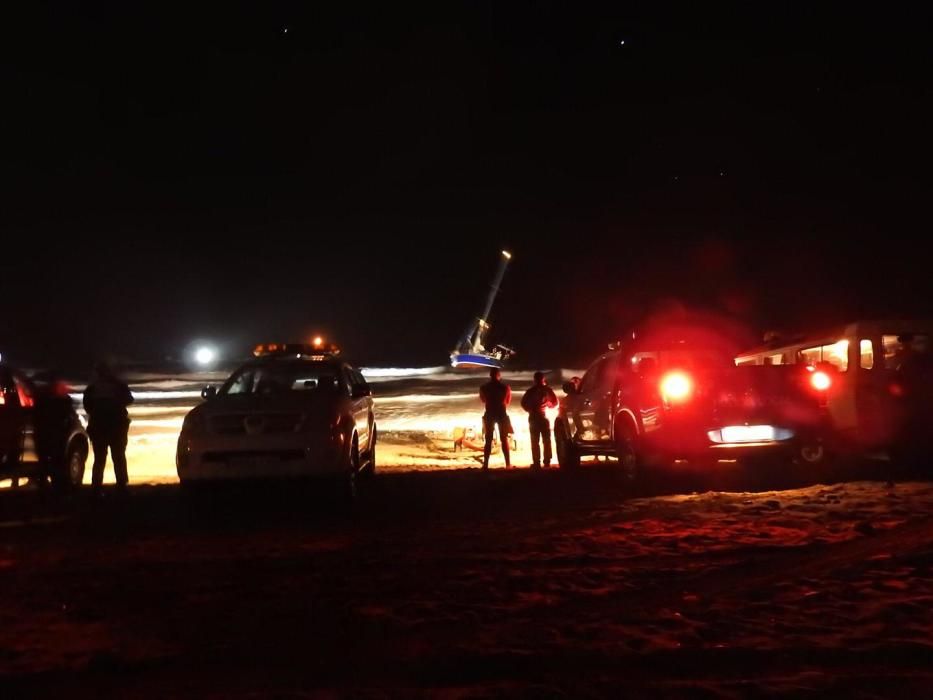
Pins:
x: 896, y: 346
x: 866, y: 354
x: 777, y: 359
x: 836, y: 354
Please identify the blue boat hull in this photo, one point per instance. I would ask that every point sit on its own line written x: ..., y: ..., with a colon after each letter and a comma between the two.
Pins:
x: 472, y: 361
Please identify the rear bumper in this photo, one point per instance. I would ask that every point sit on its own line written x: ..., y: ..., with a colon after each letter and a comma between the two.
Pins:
x: 222, y: 459
x: 715, y: 443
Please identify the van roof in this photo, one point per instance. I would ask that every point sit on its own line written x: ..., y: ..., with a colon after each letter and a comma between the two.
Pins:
x: 830, y: 334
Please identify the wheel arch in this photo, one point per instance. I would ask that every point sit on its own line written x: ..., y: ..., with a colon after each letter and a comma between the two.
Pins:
x: 81, y: 440
x: 627, y: 418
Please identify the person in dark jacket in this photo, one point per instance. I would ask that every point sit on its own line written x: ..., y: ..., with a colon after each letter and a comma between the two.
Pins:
x: 105, y: 401
x: 536, y: 401
x: 497, y: 396
x: 53, y: 413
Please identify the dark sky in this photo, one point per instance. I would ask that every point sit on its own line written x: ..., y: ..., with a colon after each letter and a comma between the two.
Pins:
x: 174, y: 172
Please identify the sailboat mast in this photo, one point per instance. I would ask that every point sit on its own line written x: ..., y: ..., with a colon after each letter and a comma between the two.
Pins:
x: 494, y: 290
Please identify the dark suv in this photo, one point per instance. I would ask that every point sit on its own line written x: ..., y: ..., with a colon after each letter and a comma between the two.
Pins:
x: 663, y: 398
x: 41, y: 435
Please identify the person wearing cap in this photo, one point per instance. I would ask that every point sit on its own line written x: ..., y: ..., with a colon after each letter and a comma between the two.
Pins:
x: 496, y: 395
x: 105, y: 401
x: 536, y: 401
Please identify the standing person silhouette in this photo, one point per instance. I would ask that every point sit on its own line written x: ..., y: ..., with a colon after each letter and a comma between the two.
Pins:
x: 497, y: 396
x: 536, y: 401
x: 105, y: 401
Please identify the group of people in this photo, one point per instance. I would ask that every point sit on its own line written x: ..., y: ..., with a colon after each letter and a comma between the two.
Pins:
x: 106, y: 399
x: 496, y: 395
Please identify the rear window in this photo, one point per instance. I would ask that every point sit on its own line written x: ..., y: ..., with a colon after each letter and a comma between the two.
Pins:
x: 836, y: 354
x: 282, y: 378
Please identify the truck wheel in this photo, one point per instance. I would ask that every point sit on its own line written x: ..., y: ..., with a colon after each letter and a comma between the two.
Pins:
x: 811, y: 453
x: 70, y: 474
x: 568, y: 457
x: 626, y: 452
x: 813, y: 461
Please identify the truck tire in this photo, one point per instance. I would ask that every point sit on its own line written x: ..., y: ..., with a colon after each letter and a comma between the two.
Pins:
x: 813, y: 461
x: 626, y: 448
x: 70, y: 473
x: 568, y: 457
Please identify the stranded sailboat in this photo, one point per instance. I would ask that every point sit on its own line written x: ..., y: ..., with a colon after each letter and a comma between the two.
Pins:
x: 470, y: 352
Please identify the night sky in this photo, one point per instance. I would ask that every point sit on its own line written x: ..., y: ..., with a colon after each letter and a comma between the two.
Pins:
x: 262, y: 173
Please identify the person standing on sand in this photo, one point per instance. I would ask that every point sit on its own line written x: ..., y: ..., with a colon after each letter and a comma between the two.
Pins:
x: 105, y: 401
x: 497, y: 396
x: 536, y: 401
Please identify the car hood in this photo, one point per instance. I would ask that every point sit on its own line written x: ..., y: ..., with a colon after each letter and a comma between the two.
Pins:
x: 285, y: 403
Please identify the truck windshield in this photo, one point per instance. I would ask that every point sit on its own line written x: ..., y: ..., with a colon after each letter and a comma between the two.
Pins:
x: 279, y: 378
x: 688, y: 359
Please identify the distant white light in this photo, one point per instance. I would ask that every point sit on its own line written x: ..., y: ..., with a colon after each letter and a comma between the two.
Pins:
x: 507, y: 255
x: 285, y: 30
x: 205, y: 355
x: 622, y: 43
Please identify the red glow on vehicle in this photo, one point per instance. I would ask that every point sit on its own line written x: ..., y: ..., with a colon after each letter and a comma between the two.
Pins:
x: 25, y: 400
x: 676, y: 387
x: 820, y: 381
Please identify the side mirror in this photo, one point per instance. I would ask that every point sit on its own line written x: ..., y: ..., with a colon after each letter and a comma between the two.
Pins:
x: 361, y: 392
x: 569, y: 388
x: 208, y: 392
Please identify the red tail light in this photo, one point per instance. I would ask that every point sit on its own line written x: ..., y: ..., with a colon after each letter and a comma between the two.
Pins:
x: 676, y: 387
x: 820, y: 380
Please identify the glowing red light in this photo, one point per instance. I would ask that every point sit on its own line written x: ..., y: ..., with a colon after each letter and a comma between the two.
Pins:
x: 821, y: 381
x: 676, y: 386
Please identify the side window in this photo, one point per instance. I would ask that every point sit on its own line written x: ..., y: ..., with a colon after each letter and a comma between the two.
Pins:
x: 361, y: 380
x: 866, y: 354
x: 811, y: 356
x: 345, y: 381
x: 356, y: 381
x: 899, y: 347
x: 776, y: 359
x: 243, y: 383
x: 836, y: 354
x: 591, y: 378
x: 601, y: 375
x: 609, y: 373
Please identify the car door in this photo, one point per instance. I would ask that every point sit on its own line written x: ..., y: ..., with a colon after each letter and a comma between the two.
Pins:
x: 361, y: 403
x: 596, y: 399
x: 25, y: 396
x: 17, y: 443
